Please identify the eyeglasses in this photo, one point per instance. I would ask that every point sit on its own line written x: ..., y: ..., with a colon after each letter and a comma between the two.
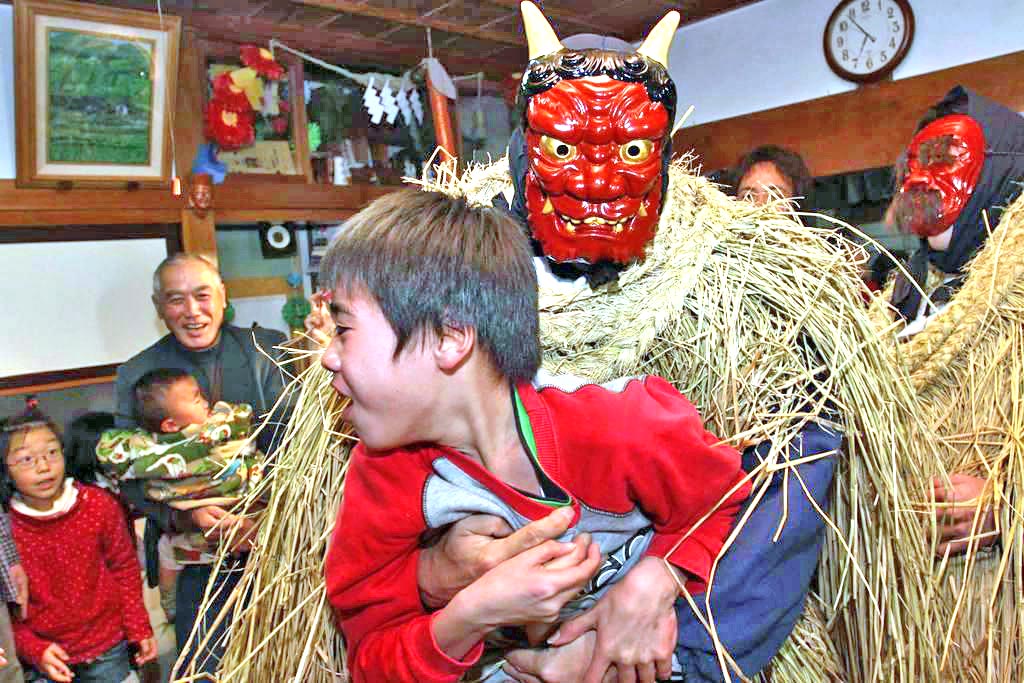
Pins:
x: 30, y: 461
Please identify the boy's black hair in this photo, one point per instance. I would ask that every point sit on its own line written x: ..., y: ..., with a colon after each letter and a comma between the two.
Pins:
x: 430, y: 261
x: 30, y: 418
x: 80, y: 441
x: 148, y: 395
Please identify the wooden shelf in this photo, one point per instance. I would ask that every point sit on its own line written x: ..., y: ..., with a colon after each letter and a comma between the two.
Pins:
x: 55, y: 386
x: 239, y: 199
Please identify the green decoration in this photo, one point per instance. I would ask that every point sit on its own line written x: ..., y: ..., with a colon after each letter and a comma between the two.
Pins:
x: 229, y: 312
x: 315, y: 137
x: 295, y: 310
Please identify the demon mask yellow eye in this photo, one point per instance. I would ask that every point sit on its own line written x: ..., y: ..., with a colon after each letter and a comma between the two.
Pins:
x: 636, y: 151
x: 556, y: 149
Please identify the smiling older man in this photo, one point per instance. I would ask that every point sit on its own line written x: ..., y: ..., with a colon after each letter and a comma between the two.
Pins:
x: 229, y: 363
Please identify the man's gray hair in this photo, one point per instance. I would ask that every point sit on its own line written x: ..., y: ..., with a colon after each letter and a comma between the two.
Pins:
x: 176, y: 259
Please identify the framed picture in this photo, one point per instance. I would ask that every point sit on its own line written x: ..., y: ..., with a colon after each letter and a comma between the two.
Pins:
x: 280, y: 151
x: 94, y: 94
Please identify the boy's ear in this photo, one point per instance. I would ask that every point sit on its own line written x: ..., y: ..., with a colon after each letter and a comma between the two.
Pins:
x: 454, y: 345
x: 169, y: 426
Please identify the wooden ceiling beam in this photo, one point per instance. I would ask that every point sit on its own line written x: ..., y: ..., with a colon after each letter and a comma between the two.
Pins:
x: 400, y: 16
x: 563, y: 16
x: 259, y: 7
x: 349, y: 47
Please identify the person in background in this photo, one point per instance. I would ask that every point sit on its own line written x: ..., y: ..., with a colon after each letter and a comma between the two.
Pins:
x: 188, y: 455
x: 85, y: 608
x: 13, y: 589
x: 963, y: 166
x: 80, y: 441
x: 770, y: 172
x: 231, y: 364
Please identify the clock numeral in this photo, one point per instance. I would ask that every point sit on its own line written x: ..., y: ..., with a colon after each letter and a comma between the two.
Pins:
x: 892, y: 43
x: 865, y: 6
x: 846, y: 55
x: 895, y: 27
x: 843, y: 26
x: 852, y: 13
x: 839, y: 41
x: 892, y: 12
x: 855, y: 60
x: 879, y: 5
x: 869, y: 64
x: 884, y: 56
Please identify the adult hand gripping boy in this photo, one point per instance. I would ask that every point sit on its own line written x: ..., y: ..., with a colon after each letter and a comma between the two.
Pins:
x: 635, y: 622
x: 474, y: 546
x: 635, y: 625
x: 529, y: 588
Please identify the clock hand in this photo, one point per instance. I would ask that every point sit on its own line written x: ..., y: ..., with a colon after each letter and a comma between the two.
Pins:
x: 862, y: 30
x: 863, y: 43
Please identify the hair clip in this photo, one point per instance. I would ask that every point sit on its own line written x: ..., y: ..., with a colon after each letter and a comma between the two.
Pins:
x: 18, y: 426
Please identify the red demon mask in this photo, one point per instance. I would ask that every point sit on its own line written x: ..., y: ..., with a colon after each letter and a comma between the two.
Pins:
x: 594, y: 184
x: 943, y: 163
x: 596, y: 133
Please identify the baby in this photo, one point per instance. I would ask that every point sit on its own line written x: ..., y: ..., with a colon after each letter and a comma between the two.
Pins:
x: 187, y: 455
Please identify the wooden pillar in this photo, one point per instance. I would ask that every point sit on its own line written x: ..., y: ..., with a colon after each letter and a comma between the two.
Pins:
x: 188, y: 110
x: 198, y: 234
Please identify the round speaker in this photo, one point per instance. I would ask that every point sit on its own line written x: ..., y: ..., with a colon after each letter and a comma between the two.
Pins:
x: 277, y: 240
x: 278, y: 237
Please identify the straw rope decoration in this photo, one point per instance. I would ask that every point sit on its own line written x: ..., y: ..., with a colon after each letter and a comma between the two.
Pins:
x: 760, y: 322
x: 967, y: 366
x: 284, y: 631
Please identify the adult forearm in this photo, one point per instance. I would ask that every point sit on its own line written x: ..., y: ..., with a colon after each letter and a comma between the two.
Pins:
x: 457, y: 628
x: 164, y: 516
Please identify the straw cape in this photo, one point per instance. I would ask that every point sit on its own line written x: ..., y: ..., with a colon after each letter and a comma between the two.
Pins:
x: 760, y: 322
x: 967, y: 367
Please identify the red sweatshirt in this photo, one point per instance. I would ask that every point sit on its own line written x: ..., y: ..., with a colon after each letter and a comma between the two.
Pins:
x: 85, y: 584
x: 629, y: 455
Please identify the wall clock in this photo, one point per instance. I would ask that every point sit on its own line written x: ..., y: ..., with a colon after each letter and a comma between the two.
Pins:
x: 866, y: 39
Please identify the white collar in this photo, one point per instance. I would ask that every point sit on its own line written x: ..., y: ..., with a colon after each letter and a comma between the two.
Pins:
x: 65, y: 502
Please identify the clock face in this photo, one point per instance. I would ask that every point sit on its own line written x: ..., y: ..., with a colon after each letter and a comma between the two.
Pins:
x: 866, y: 39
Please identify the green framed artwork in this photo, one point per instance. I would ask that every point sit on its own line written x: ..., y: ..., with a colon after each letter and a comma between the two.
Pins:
x: 94, y: 94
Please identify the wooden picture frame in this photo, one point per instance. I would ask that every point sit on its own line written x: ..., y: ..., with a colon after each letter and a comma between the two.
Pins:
x: 94, y: 95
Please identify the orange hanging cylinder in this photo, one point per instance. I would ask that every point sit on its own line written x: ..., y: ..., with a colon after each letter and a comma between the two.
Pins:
x: 441, y: 111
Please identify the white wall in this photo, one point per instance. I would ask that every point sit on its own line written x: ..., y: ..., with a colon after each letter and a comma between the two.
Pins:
x: 7, y: 168
x: 77, y: 304
x: 262, y: 310
x: 769, y: 54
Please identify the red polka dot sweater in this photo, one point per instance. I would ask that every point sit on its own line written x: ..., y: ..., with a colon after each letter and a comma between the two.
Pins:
x: 85, y: 585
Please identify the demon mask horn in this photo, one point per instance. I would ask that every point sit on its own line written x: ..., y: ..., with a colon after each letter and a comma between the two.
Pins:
x: 659, y: 40
x: 540, y: 37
